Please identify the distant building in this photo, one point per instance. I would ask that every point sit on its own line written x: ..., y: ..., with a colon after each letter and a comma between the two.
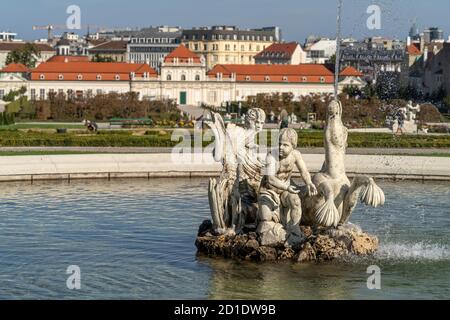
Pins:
x: 183, y: 77
x: 413, y: 54
x: 152, y: 45
x: 282, y: 53
x: 380, y: 43
x: 114, y: 50
x: 431, y: 71
x: 13, y: 77
x: 321, y: 51
x: 350, y: 77
x: 8, y: 36
x: 371, y: 62
x: 229, y: 44
x: 433, y: 34
x: 414, y: 32
x: 6, y: 47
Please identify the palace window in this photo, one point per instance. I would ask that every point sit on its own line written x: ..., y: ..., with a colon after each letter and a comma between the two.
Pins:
x: 169, y: 77
x: 197, y: 77
x: 183, y: 77
x: 33, y: 94
x: 42, y: 94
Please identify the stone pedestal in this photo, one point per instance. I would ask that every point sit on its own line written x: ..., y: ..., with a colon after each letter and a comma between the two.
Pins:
x: 317, y: 245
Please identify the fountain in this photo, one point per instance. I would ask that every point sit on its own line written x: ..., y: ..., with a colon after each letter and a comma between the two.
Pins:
x: 259, y: 213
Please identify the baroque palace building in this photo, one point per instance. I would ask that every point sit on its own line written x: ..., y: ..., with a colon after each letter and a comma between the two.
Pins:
x: 229, y: 44
x: 183, y: 77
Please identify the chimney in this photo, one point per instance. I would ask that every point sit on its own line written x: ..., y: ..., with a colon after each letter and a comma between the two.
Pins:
x: 408, y: 41
x: 425, y: 56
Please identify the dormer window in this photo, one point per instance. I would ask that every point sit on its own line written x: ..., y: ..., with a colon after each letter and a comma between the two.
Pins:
x: 247, y: 78
x: 322, y: 79
x: 99, y: 77
x: 117, y: 77
x: 266, y: 78
x: 79, y: 77
x: 285, y: 78
x: 133, y: 75
x: 305, y: 79
x: 61, y: 77
x: 42, y: 77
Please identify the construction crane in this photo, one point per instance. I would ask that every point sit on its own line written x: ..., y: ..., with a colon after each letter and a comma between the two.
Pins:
x: 50, y: 28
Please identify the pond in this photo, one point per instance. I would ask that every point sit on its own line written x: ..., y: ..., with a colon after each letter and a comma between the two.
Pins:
x: 134, y: 239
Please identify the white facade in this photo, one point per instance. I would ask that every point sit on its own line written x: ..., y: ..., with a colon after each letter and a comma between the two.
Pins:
x: 11, y: 82
x: 321, y: 51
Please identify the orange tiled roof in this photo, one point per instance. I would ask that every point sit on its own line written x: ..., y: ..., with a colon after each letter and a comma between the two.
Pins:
x: 15, y: 68
x: 183, y: 55
x: 413, y: 50
x: 89, y: 71
x: 350, y: 72
x: 307, y: 73
x: 68, y: 59
x: 285, y: 50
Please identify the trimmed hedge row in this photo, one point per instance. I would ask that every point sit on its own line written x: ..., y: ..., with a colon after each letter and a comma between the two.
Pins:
x: 15, y: 138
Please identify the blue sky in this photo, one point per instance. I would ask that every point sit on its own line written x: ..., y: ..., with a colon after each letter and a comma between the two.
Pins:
x: 297, y: 18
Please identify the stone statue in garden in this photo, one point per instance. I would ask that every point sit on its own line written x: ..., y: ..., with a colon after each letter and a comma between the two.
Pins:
x: 260, y: 214
x: 406, y: 119
x: 233, y: 197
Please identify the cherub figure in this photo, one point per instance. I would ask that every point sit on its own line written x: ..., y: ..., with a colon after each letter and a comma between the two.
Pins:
x: 280, y: 208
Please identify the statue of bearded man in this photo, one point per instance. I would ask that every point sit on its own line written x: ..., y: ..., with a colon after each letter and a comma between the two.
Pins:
x: 233, y: 198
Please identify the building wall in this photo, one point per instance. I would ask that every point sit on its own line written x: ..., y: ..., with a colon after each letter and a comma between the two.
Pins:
x: 248, y: 89
x: 227, y: 51
x: 10, y: 82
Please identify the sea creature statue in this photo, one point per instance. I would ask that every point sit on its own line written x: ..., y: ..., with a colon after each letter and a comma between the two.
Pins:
x: 337, y: 197
x: 233, y: 197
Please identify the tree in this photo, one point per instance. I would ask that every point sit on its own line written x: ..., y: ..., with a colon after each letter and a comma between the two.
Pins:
x: 27, y: 55
x: 332, y: 59
x: 447, y: 102
x: 100, y: 58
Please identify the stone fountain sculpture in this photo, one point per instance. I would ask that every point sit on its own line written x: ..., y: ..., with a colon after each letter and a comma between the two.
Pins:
x: 233, y: 197
x: 406, y: 119
x: 305, y: 223
x: 337, y: 197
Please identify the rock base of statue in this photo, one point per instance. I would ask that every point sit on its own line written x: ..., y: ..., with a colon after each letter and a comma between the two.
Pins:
x: 318, y: 245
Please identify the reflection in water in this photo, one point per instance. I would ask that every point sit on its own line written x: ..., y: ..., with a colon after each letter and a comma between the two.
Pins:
x: 134, y: 239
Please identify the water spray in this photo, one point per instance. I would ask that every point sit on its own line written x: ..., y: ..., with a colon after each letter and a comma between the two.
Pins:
x: 338, y: 51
